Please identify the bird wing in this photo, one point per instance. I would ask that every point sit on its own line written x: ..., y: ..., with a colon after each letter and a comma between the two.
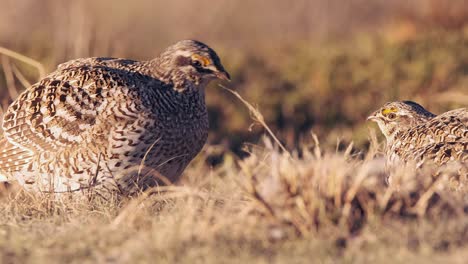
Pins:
x: 461, y: 113
x: 440, y: 153
x: 64, y: 108
x: 447, y: 127
x: 115, y: 63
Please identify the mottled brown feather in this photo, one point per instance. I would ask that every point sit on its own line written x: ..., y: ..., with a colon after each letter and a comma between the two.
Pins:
x: 106, y: 123
x: 413, y: 133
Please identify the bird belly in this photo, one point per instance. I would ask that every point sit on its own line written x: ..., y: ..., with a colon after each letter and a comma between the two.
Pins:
x: 153, y: 154
x: 129, y: 158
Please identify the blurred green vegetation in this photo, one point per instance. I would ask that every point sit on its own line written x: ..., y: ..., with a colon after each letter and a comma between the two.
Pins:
x: 321, y: 66
x: 331, y: 87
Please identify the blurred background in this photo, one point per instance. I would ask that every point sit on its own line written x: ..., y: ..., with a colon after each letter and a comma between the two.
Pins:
x: 308, y: 65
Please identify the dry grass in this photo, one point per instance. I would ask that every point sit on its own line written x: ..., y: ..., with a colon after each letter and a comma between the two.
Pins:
x: 309, y: 203
x: 269, y: 207
x: 273, y: 206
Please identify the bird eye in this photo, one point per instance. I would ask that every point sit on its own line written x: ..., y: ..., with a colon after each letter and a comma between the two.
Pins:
x: 391, y: 116
x: 200, y: 61
x: 196, y: 63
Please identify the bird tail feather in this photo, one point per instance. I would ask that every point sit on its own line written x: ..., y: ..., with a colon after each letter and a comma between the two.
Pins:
x: 12, y: 158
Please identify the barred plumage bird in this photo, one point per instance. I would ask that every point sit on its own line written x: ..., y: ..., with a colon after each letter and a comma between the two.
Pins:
x: 413, y: 133
x: 111, y: 124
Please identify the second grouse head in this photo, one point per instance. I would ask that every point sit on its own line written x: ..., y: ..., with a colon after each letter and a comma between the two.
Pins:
x: 397, y: 116
x: 191, y: 60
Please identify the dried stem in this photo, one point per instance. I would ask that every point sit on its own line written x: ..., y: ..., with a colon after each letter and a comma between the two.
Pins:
x: 258, y: 117
x: 9, y: 77
x: 15, y: 55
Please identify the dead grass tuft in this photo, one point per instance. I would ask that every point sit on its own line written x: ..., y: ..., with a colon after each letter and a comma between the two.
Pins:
x: 322, y: 204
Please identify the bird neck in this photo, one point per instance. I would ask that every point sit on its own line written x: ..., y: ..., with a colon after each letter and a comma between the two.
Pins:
x: 166, y: 100
x: 175, y: 78
x: 183, y: 83
x: 391, y: 132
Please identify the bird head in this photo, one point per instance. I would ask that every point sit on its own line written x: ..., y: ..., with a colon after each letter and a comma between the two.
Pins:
x: 399, y: 116
x: 194, y: 61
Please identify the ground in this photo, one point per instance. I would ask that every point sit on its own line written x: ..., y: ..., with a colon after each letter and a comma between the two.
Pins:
x: 323, y: 207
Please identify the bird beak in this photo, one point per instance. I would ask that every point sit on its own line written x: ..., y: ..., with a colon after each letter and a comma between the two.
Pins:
x: 219, y: 72
x: 373, y: 117
x: 223, y: 75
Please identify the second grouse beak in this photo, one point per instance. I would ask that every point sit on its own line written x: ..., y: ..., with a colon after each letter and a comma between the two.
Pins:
x: 373, y: 117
